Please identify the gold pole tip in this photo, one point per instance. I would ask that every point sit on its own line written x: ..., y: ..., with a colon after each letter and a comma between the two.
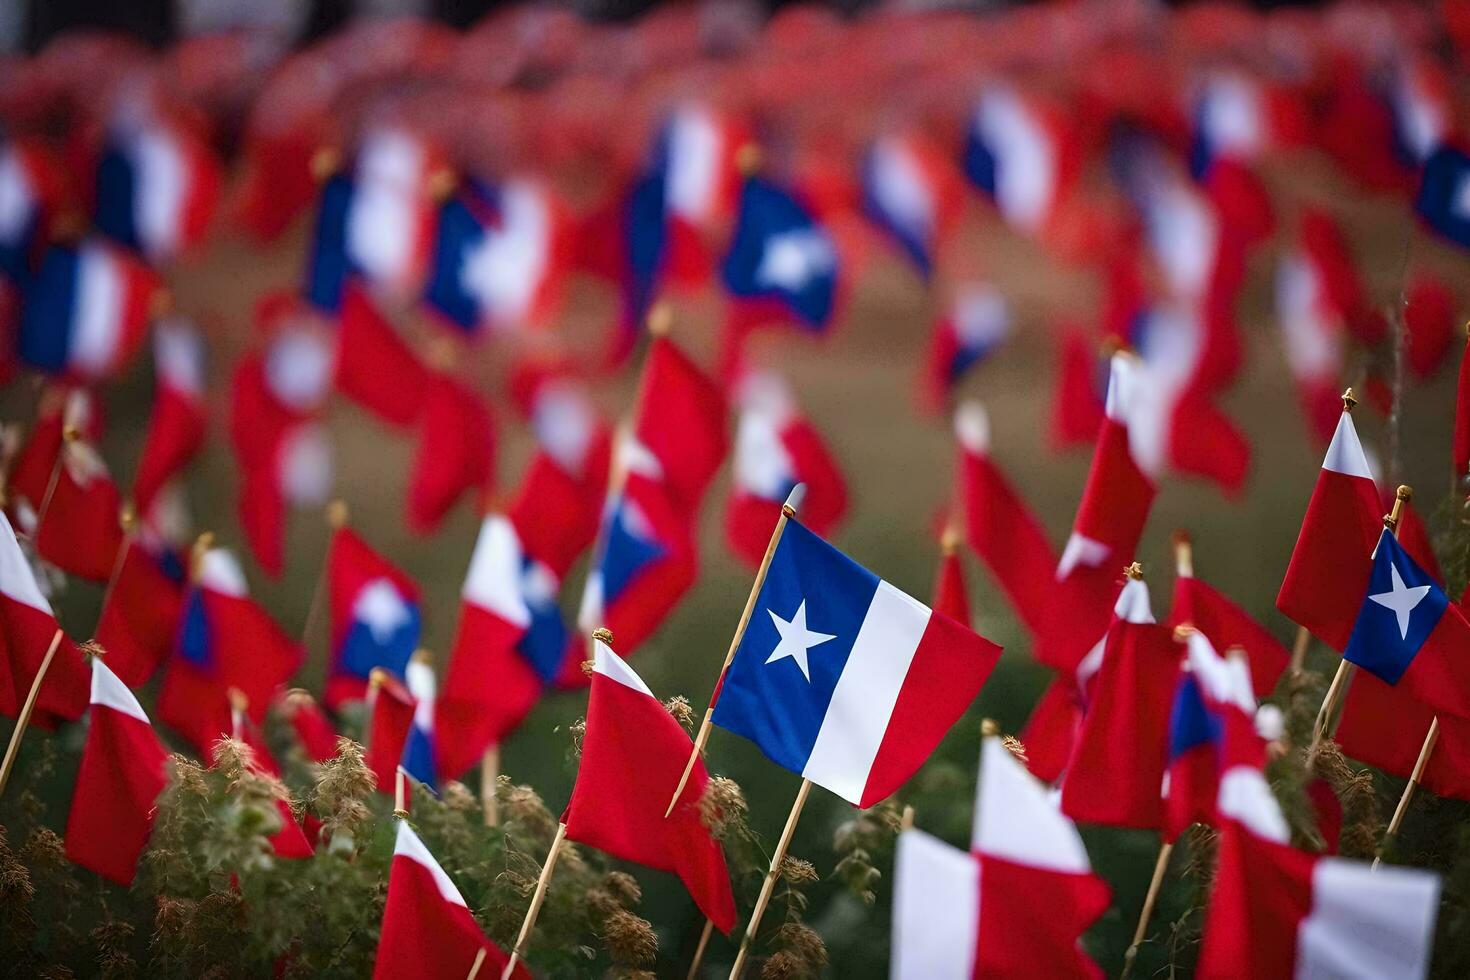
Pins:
x: 1404, y: 492
x: 949, y: 542
x: 337, y: 514
x: 238, y: 700
x: 324, y: 162
x: 441, y: 184
x: 1134, y: 571
x: 748, y: 159
x: 377, y: 677
x: 989, y: 727
x: 661, y: 319
x: 127, y: 516
x: 1182, y: 632
x: 400, y: 814
x: 603, y: 635
x: 1349, y: 400
x: 422, y: 656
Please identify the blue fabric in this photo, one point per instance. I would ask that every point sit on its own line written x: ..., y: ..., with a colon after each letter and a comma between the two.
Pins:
x: 913, y: 241
x: 43, y: 339
x: 117, y: 188
x: 769, y: 218
x: 774, y: 704
x: 1191, y: 723
x: 1442, y: 195
x: 327, y: 263
x: 626, y: 554
x: 980, y: 162
x: 645, y: 244
x: 1377, y: 644
x: 544, y: 644
x: 361, y: 651
x: 196, y: 642
x: 418, y: 758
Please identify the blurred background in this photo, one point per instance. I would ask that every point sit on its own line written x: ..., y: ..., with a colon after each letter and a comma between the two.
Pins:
x: 1340, y: 98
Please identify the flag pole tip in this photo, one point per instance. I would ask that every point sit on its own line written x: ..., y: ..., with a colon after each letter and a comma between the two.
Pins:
x: 1349, y: 400
x: 401, y: 814
x: 1404, y: 492
x: 1134, y: 571
x: 127, y: 516
x: 603, y: 635
x: 748, y: 159
x: 337, y: 514
x: 324, y: 162
x: 1182, y: 632
x: 793, y: 500
x: 422, y: 656
x: 949, y: 541
x: 238, y: 700
x: 661, y: 319
x: 989, y: 727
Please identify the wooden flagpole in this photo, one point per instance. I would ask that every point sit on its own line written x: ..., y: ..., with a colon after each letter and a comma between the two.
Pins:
x: 337, y: 515
x: 519, y: 951
x: 709, y: 927
x: 127, y: 519
x: 788, y: 511
x: 1327, y: 717
x: 1299, y: 649
x: 25, y: 712
x: 489, y: 779
x: 769, y: 884
x: 1398, y: 813
x: 69, y: 434
x: 475, y: 966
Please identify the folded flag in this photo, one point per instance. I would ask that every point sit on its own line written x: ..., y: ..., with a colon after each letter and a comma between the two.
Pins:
x: 27, y: 628
x: 390, y: 713
x: 509, y: 646
x: 951, y: 597
x: 1021, y: 155
x: 122, y: 772
x: 681, y: 422
x: 140, y: 622
x: 977, y: 321
x: 1408, y: 632
x: 842, y: 678
x: 374, y: 615
x: 1210, y: 611
x: 1117, y: 764
x: 420, y: 752
x: 87, y: 311
x: 376, y: 368
x: 1441, y: 202
x: 1333, y: 557
x: 177, y: 426
x: 912, y: 194
x: 1016, y: 905
x: 775, y: 449
x: 427, y: 929
x: 633, y: 753
x: 156, y: 189
x: 782, y: 251
x: 455, y: 452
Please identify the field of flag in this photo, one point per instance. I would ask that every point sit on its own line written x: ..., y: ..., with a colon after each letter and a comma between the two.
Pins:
x: 814, y: 496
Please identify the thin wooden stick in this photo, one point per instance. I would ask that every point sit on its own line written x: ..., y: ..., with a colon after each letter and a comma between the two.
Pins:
x: 770, y: 883
x: 400, y: 793
x: 1154, y: 885
x: 1299, y: 649
x: 479, y: 962
x: 128, y: 519
x: 788, y: 511
x: 1398, y: 814
x: 1183, y: 555
x: 337, y: 515
x: 489, y: 778
x: 709, y: 927
x: 68, y: 434
x: 26, y: 709
x: 519, y: 951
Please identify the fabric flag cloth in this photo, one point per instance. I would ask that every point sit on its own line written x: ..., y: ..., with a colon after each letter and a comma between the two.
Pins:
x: 376, y: 368
x: 157, y: 185
x: 1117, y: 764
x: 1020, y: 154
x: 290, y: 841
x: 27, y: 627
x: 1210, y: 611
x: 1441, y: 203
x: 390, y: 713
x: 509, y: 646
x: 1460, y: 445
x: 775, y: 449
x: 1332, y: 560
x: 123, y: 770
x: 912, y: 194
x: 977, y: 322
x: 781, y: 251
x: 428, y: 931
x: 682, y: 423
x: 455, y: 452
x: 177, y: 426
x: 140, y: 622
x: 420, y: 746
x: 314, y: 730
x: 842, y: 678
x: 374, y: 615
x: 1384, y: 726
x: 951, y: 596
x: 1408, y: 632
x: 633, y: 753
x: 1016, y: 905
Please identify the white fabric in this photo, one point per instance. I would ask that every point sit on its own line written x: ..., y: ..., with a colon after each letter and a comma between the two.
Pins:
x: 1025, y: 159
x: 380, y: 607
x: 1345, y: 453
x: 1169, y: 354
x: 424, y: 686
x: 1245, y: 797
x: 1225, y: 682
x: 17, y: 580
x: 1422, y: 119
x: 505, y: 271
x: 305, y: 464
x: 162, y: 189
x: 494, y: 580
x: 563, y: 421
x: 982, y: 317
x: 1232, y: 116
x: 936, y: 909
x: 383, y: 221
x: 17, y: 197
x: 1367, y: 924
x: 695, y: 148
x: 178, y: 356
x: 614, y: 668
x: 900, y: 189
x: 298, y: 366
x: 862, y: 702
x: 410, y: 846
x: 1134, y: 605
x: 763, y: 466
x: 220, y: 571
x: 792, y: 259
x: 1015, y: 820
x: 97, y: 311
x: 1310, y: 329
x: 1183, y: 236
x: 972, y: 427
x: 1081, y: 552
x: 110, y: 692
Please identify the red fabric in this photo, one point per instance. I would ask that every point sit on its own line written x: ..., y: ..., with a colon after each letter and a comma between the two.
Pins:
x: 1429, y: 323
x: 682, y: 421
x: 1194, y: 786
x: 314, y: 729
x: 1384, y: 726
x: 390, y: 712
x: 124, y: 768
x: 290, y: 841
x: 1413, y: 535
x: 1262, y: 892
x: 375, y: 368
x: 633, y: 754
x: 750, y: 519
x: 1032, y: 920
x: 950, y: 595
x: 351, y: 565
x: 1205, y: 442
x: 556, y: 511
x: 79, y: 532
x: 140, y: 622
x: 424, y: 935
x: 259, y: 427
x: 1117, y: 766
x: 1439, y: 674
x: 1328, y: 810
x: 1077, y: 411
x: 27, y: 632
x: 950, y: 665
x: 1227, y: 625
x: 1051, y: 730
x: 1325, y: 244
x: 455, y: 454
x: 488, y: 691
x: 175, y: 435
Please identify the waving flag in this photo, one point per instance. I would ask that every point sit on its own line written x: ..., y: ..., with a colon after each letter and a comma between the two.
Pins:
x: 1423, y: 111
x: 31, y: 191
x: 177, y: 426
x: 455, y: 454
x: 140, y: 622
x: 390, y: 713
x: 1021, y: 156
x: 157, y: 187
x: 781, y: 251
x: 681, y: 422
x: 427, y: 928
x: 844, y: 679
x: 633, y: 753
x: 27, y: 629
x: 1016, y: 905
x: 1226, y: 625
x: 1332, y: 561
x: 510, y: 645
x: 375, y: 366
x: 697, y: 157
x: 1312, y: 330
x: 374, y: 614
x: 1442, y: 203
x: 86, y: 312
x: 420, y: 746
x: 1383, y: 725
x: 909, y: 193
x: 1077, y: 402
x: 976, y: 323
x: 122, y: 772
x: 775, y: 449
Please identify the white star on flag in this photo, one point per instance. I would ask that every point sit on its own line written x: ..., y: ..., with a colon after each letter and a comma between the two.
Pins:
x: 381, y: 609
x: 1401, y: 599
x: 796, y: 639
x: 791, y: 259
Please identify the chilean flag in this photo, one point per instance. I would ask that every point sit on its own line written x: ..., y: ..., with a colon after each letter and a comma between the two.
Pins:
x: 1333, y: 558
x: 27, y: 627
x: 30, y: 192
x: 374, y: 613
x: 976, y: 323
x: 157, y: 187
x: 427, y: 928
x: 911, y: 195
x: 782, y: 252
x: 225, y: 640
x: 1443, y: 202
x: 633, y: 754
x: 177, y: 426
x: 390, y: 713
x: 775, y: 449
x: 1210, y: 611
x: 140, y: 622
x: 1312, y: 331
x: 511, y: 643
x: 1019, y: 155
x: 124, y: 768
x: 87, y: 311
x: 1016, y: 905
x: 1407, y: 631
x: 844, y: 679
x: 499, y: 255
x: 455, y: 452
x: 697, y: 151
x: 420, y: 745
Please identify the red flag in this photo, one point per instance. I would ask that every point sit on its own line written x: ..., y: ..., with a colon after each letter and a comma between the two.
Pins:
x: 290, y: 841
x: 456, y: 452
x: 1460, y: 451
x: 375, y: 368
x: 177, y: 427
x: 1051, y: 730
x: 390, y: 713
x: 1077, y: 411
x: 374, y: 617
x: 633, y: 754
x: 140, y: 622
x: 314, y: 729
x: 1429, y: 323
x: 27, y: 629
x: 681, y: 422
x: 123, y: 770
x: 950, y: 595
x: 1384, y: 726
x: 1227, y: 625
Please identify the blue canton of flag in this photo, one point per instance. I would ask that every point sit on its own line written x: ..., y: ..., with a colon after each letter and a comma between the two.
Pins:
x: 1400, y: 612
x: 1191, y: 722
x: 418, y: 758
x: 1444, y: 195
x: 780, y: 251
x: 384, y: 631
x: 327, y: 264
x: 463, y: 227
